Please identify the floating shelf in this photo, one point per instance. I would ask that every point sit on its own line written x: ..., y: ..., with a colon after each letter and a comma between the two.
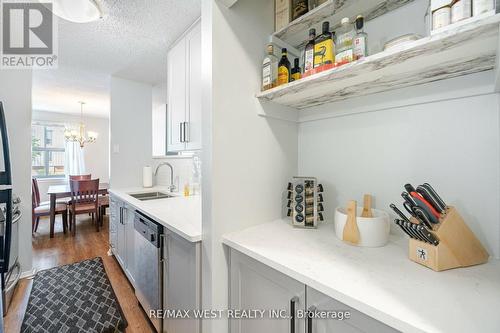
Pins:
x: 466, y: 48
x: 296, y: 32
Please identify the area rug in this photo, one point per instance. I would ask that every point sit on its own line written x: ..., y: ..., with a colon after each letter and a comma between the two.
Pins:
x: 73, y: 298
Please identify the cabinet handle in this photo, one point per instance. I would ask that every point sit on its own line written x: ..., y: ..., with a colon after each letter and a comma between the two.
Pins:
x: 162, y: 245
x: 293, y: 301
x: 186, y: 131
x: 121, y: 215
x: 181, y: 134
x: 310, y: 319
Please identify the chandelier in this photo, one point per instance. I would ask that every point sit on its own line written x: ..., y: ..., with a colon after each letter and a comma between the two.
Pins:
x: 73, y: 135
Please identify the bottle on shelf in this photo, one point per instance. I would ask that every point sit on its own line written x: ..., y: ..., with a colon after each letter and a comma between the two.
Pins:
x: 295, y: 72
x: 324, y: 49
x: 360, y: 40
x: 269, y: 69
x: 345, y: 36
x: 309, y: 52
x: 283, y: 68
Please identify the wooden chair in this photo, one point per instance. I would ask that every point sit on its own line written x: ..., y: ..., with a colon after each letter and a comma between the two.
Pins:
x: 80, y: 177
x: 40, y: 209
x: 84, y: 199
x: 103, y: 204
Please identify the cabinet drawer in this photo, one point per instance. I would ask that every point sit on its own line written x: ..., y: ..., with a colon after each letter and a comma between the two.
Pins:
x: 358, y: 321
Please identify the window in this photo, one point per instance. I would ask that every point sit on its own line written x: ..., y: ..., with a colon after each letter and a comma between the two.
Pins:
x: 47, y: 150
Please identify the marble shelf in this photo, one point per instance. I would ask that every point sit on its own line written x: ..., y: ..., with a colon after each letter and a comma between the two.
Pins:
x: 296, y: 32
x: 467, y: 48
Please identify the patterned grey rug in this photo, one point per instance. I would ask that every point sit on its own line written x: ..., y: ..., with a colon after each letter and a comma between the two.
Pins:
x: 73, y: 298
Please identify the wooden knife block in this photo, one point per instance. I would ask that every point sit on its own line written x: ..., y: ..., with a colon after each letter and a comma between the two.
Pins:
x: 458, y: 246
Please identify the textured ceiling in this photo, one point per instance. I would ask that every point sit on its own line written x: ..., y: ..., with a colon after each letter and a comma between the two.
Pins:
x: 131, y: 41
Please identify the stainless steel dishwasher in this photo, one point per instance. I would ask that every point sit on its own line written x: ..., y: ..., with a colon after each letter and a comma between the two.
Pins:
x: 149, y: 265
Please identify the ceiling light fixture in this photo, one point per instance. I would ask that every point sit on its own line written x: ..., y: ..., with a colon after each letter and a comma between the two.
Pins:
x: 73, y: 135
x: 78, y: 11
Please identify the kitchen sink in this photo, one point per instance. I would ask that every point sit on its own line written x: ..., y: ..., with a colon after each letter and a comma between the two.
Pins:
x: 150, y: 195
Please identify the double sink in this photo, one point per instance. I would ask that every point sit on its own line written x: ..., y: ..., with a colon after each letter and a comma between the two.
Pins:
x: 144, y: 196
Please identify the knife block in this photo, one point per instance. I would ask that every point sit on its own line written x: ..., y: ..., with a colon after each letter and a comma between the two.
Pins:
x: 458, y: 246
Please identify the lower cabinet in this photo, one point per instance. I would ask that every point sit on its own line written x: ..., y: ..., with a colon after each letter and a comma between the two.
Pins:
x: 254, y: 285
x: 121, y: 235
x: 181, y: 282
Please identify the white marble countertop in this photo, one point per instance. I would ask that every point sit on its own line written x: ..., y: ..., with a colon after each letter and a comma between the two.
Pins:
x: 179, y: 214
x: 380, y: 282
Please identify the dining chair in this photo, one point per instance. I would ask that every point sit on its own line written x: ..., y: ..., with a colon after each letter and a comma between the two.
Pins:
x: 40, y: 209
x: 103, y: 204
x: 84, y: 199
x: 81, y: 177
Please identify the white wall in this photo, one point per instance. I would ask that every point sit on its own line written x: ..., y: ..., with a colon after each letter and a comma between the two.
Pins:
x: 130, y: 129
x: 15, y: 93
x: 96, y: 154
x: 421, y: 134
x: 247, y: 159
x: 159, y: 120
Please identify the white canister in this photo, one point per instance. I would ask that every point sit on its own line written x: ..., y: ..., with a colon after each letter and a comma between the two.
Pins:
x: 147, y: 176
x: 482, y: 6
x: 441, y: 17
x: 460, y: 10
x: 373, y: 231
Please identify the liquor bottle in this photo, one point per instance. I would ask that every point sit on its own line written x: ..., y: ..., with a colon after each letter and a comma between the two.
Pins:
x: 345, y: 38
x: 360, y: 40
x: 309, y: 51
x: 324, y: 48
x: 295, y: 72
x: 269, y: 69
x: 283, y: 68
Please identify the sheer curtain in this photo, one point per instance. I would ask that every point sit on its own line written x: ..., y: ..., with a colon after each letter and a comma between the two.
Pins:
x: 74, y: 161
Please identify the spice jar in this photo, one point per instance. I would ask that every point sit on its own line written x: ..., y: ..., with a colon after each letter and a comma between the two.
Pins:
x: 461, y: 9
x: 441, y: 17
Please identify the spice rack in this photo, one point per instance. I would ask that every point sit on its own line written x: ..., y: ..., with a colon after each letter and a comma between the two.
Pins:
x: 458, y: 246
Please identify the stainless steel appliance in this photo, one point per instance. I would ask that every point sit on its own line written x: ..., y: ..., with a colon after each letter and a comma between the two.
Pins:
x: 8, y: 220
x: 149, y: 265
x: 305, y: 202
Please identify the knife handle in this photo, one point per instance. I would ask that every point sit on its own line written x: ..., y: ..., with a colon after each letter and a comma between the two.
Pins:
x: 424, y: 192
x: 435, y: 195
x: 397, y: 211
x: 421, y: 202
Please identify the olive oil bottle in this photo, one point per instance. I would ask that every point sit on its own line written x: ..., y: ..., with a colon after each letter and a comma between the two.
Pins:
x: 295, y: 72
x: 269, y: 69
x: 283, y: 68
x: 309, y: 51
x: 324, y: 47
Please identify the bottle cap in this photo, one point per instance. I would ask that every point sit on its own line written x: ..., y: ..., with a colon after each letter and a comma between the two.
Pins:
x: 312, y: 32
x: 360, y: 20
x: 283, y: 50
x: 345, y: 20
x: 270, y: 48
x: 326, y: 26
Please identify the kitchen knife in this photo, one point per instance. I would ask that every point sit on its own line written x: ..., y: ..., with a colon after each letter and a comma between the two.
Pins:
x: 400, y: 223
x: 422, y: 217
x: 421, y: 233
x: 409, y: 188
x: 436, y: 196
x: 400, y: 213
x: 422, y: 203
x: 407, y: 225
x: 429, y: 235
x: 424, y: 192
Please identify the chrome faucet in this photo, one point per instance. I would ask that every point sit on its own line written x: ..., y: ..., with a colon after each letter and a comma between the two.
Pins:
x: 172, y: 187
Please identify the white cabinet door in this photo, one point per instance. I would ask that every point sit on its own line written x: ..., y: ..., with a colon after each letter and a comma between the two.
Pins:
x: 357, y: 323
x: 256, y: 286
x: 120, y: 235
x: 181, y: 282
x: 193, y: 115
x: 128, y: 217
x: 176, y: 91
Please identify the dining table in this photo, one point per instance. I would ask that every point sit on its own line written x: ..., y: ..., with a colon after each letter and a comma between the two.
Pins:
x: 64, y: 191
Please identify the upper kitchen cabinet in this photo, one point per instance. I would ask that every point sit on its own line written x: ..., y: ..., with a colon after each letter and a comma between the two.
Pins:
x: 184, y: 92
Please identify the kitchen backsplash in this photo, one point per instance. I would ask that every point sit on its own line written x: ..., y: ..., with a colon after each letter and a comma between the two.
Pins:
x: 186, y: 170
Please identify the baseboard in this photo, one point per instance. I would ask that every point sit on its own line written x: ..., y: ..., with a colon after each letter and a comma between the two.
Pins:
x: 28, y: 274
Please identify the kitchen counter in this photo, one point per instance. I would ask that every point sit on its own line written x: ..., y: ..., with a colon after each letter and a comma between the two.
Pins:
x: 179, y: 214
x: 380, y: 282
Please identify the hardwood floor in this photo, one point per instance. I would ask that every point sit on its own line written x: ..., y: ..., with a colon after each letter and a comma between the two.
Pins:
x: 64, y: 249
